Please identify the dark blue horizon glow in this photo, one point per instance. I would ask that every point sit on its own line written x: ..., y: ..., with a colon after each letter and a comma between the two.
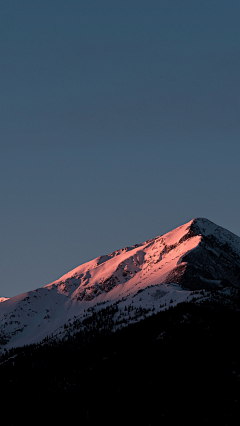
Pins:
x: 119, y: 122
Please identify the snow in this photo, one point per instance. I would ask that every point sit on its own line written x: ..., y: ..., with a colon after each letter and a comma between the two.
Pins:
x: 3, y: 299
x: 207, y: 228
x: 174, y: 236
x: 133, y: 275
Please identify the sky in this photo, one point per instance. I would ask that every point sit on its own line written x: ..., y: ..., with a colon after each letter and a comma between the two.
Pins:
x: 119, y: 121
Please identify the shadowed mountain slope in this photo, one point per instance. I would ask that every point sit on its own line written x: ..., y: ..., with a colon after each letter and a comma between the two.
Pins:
x: 215, y: 260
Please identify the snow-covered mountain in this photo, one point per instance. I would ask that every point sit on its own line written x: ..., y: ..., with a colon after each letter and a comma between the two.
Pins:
x: 138, y: 280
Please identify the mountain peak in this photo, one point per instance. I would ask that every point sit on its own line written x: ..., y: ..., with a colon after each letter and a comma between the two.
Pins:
x: 197, y: 255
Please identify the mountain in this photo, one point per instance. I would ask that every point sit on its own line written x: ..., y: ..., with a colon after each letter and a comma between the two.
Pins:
x: 165, y: 363
x: 130, y: 284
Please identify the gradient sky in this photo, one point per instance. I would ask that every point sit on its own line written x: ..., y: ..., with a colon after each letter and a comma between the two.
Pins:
x: 119, y: 121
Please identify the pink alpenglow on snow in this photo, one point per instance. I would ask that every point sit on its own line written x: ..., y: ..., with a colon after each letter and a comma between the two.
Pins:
x: 154, y: 275
x: 2, y: 299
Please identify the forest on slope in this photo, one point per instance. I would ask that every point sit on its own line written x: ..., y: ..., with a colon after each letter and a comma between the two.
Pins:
x: 181, y: 365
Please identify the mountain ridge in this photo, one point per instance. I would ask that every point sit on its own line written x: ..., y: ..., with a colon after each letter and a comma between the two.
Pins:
x: 156, y: 274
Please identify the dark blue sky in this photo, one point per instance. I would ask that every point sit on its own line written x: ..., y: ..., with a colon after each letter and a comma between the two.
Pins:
x: 119, y: 121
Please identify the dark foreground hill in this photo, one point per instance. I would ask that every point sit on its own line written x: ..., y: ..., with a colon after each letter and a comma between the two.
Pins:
x: 181, y: 366
x: 148, y: 335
